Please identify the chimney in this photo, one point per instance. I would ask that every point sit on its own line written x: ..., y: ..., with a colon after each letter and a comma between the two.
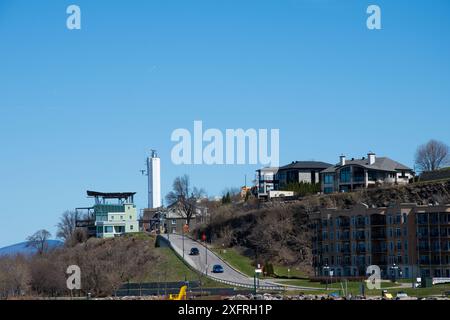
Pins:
x: 371, y: 157
x: 342, y: 158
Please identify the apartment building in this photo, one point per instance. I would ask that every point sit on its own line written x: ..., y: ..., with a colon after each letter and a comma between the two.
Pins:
x: 405, y: 241
x: 353, y: 174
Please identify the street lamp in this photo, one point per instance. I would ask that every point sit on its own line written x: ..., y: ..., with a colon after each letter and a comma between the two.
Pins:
x: 206, y: 254
x: 185, y: 229
x: 258, y: 271
x: 326, y: 268
x: 394, y: 269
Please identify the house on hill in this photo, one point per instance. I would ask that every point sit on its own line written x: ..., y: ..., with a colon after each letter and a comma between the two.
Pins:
x: 349, y: 175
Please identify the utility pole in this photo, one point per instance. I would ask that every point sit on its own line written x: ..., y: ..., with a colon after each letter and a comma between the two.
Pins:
x: 206, y: 254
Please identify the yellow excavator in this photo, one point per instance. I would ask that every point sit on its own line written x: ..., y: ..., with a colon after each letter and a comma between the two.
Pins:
x: 180, y: 296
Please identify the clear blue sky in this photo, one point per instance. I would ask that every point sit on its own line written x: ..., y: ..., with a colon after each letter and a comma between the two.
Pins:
x: 80, y: 109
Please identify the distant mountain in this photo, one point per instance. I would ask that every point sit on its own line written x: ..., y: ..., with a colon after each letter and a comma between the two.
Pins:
x: 22, y: 248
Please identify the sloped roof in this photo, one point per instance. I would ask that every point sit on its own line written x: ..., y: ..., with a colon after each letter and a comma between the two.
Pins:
x: 381, y: 164
x: 307, y: 165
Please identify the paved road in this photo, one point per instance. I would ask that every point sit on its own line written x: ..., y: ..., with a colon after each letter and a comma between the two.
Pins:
x: 205, y: 261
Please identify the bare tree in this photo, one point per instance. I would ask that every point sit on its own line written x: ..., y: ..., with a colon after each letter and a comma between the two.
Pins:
x: 67, y: 225
x: 185, y: 196
x: 14, y: 276
x: 39, y: 241
x: 432, y: 155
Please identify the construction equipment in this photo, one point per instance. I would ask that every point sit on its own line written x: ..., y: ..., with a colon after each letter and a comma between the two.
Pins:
x: 180, y: 296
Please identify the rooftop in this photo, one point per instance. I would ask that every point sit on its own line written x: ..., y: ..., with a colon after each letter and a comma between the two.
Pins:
x: 306, y: 165
x: 381, y: 163
x: 110, y: 195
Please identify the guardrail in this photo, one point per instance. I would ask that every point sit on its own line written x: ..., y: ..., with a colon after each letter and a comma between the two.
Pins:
x: 250, y: 286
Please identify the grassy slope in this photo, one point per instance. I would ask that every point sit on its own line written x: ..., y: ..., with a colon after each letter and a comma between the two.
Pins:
x: 244, y: 264
x: 171, y: 268
x: 237, y: 260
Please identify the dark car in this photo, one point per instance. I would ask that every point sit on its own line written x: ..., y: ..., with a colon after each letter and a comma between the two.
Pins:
x: 194, y: 252
x: 217, y: 268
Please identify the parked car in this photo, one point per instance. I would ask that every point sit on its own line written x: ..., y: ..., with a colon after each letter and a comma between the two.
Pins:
x: 217, y: 268
x: 194, y: 252
x: 401, y: 295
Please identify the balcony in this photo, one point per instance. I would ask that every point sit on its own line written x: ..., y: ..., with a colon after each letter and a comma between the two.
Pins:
x: 360, y: 224
x: 379, y: 250
x: 360, y: 236
x: 378, y: 236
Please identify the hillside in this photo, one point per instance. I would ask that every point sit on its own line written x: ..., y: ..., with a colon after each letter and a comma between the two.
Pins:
x: 24, y: 248
x: 277, y: 231
x: 106, y: 264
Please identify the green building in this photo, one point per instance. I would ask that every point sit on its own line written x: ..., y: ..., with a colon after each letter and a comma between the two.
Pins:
x: 113, y: 214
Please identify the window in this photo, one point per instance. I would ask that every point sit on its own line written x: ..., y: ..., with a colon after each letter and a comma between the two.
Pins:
x: 328, y: 190
x: 131, y: 218
x: 131, y: 227
x: 329, y: 179
x: 174, y: 221
x: 405, y: 218
x: 108, y: 229
x: 345, y: 175
x: 119, y: 229
x: 390, y: 219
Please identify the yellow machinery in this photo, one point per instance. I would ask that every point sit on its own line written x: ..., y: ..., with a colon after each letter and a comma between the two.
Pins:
x: 180, y: 296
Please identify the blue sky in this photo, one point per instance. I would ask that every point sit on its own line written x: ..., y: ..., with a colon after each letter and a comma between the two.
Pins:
x: 81, y: 109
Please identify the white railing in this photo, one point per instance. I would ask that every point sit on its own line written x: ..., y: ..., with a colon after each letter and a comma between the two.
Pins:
x: 440, y: 280
x: 248, y: 285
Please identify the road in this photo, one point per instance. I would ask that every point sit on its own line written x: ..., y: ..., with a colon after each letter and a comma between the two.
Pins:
x: 209, y: 258
x: 205, y: 261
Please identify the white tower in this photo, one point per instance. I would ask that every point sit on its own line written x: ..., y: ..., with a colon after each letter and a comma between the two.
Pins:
x: 154, y: 180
